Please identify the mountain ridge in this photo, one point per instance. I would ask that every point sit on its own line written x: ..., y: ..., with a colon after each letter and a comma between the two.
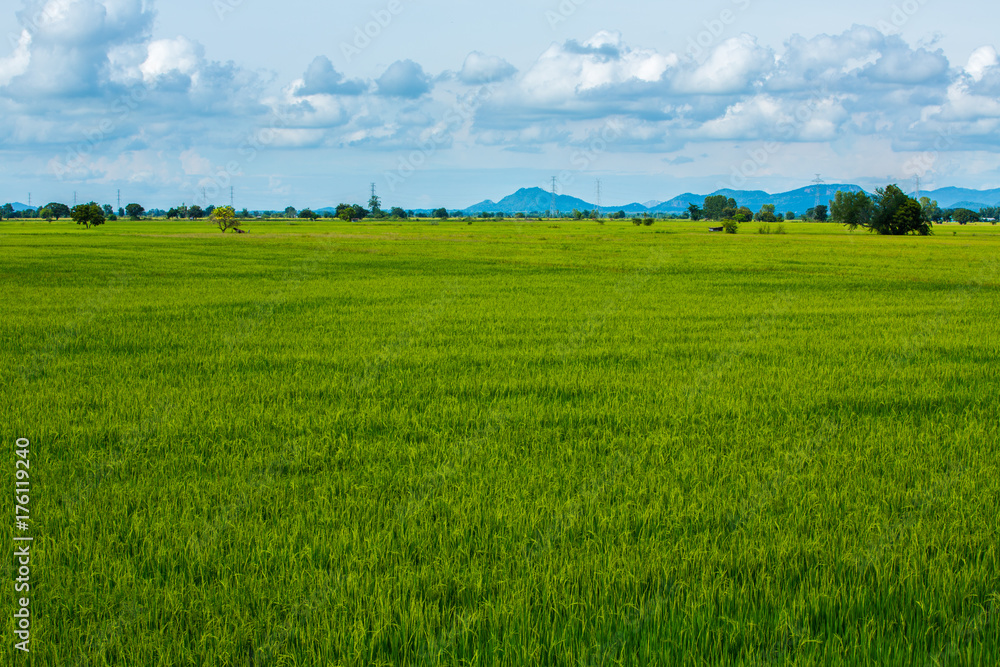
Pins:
x: 798, y: 201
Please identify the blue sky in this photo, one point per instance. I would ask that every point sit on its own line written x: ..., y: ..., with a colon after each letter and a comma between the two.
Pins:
x: 445, y: 103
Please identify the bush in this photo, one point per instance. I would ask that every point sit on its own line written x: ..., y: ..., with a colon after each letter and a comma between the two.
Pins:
x: 730, y: 226
x: 767, y: 229
x: 647, y: 221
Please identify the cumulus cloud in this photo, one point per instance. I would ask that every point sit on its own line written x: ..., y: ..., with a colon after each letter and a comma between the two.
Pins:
x: 405, y: 79
x: 322, y: 79
x: 736, y: 65
x: 481, y: 69
x: 67, y: 54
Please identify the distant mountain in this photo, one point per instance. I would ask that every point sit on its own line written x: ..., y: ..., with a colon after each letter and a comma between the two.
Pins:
x: 652, y: 203
x: 963, y: 198
x: 18, y: 206
x: 537, y: 199
x: 527, y: 200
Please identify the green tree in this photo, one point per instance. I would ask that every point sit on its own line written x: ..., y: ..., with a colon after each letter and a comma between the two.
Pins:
x: 398, y: 213
x: 375, y: 206
x: 441, y: 213
x: 896, y: 214
x: 88, y: 215
x: 715, y: 205
x: 766, y: 214
x: 695, y: 212
x: 108, y: 211
x: 134, y: 211
x: 821, y: 213
x: 6, y: 212
x: 307, y: 214
x: 290, y: 212
x: 964, y: 216
x: 854, y: 209
x: 58, y: 210
x: 931, y: 209
x: 790, y: 215
x: 196, y: 212
x: 224, y: 218
x: 46, y: 213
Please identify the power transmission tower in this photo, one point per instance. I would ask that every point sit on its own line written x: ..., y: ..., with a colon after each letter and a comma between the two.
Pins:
x: 552, y: 210
x: 74, y: 197
x: 375, y: 204
x: 119, y: 199
x: 818, y: 182
x: 598, y: 199
x: 918, y: 188
x: 29, y: 200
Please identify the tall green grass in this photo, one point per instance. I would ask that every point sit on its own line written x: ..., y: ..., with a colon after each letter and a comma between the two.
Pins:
x: 511, y: 443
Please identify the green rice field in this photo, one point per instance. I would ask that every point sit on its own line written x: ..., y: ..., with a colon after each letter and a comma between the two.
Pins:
x: 504, y: 443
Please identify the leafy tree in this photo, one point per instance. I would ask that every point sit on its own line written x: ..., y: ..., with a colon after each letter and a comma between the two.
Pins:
x: 932, y: 211
x: 290, y: 212
x: 46, y: 213
x: 58, y: 210
x: 398, y: 213
x: 6, y: 211
x: 196, y: 212
x: 375, y: 206
x: 134, y: 211
x: 108, y: 211
x: 307, y: 214
x: 715, y: 205
x: 743, y: 214
x: 854, y: 209
x: 441, y: 213
x: 896, y: 214
x: 347, y: 212
x: 821, y: 213
x: 173, y: 213
x: 225, y: 218
x: 577, y: 215
x: 519, y: 216
x: 766, y: 214
x: 88, y: 215
x: 243, y: 215
x: 964, y: 216
x: 695, y: 212
x: 790, y: 215
x: 987, y: 214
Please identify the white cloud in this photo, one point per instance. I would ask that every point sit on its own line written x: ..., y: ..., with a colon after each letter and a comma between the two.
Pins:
x: 734, y: 66
x: 194, y: 164
x: 479, y: 69
x: 172, y: 56
x: 405, y: 79
x: 17, y: 63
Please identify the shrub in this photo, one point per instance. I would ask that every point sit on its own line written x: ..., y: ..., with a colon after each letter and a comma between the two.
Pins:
x: 730, y: 226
